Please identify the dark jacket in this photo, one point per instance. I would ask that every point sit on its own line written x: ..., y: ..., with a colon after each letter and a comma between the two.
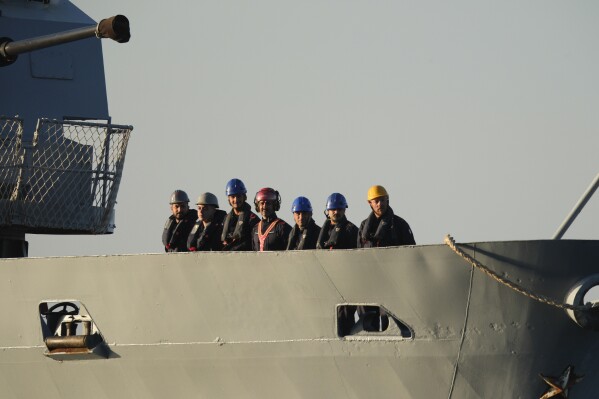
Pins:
x: 237, y: 232
x: 274, y: 234
x: 343, y: 235
x: 304, y: 239
x: 207, y: 238
x: 174, y: 235
x: 389, y: 230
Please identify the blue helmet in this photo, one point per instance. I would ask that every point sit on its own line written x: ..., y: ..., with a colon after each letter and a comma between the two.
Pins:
x: 301, y: 204
x: 235, y: 186
x: 336, y: 201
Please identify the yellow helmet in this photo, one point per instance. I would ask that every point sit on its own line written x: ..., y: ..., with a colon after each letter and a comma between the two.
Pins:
x: 377, y: 191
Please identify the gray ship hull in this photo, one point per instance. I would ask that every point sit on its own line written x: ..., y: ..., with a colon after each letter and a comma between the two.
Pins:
x: 259, y: 325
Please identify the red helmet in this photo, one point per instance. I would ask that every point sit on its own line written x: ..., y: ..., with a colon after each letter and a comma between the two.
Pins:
x: 267, y: 194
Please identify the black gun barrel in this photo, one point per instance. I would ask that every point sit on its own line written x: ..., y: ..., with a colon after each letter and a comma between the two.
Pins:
x: 115, y: 28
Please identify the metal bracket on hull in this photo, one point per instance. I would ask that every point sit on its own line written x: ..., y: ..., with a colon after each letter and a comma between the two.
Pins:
x: 70, y: 332
x: 587, y: 317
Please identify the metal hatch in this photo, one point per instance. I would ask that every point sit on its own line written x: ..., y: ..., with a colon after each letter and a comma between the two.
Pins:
x: 370, y: 321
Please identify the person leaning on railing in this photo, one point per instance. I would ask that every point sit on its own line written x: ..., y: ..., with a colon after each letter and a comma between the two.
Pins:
x: 238, y: 225
x: 337, y: 232
x: 304, y: 234
x: 206, y: 233
x: 271, y: 233
x: 382, y: 228
x: 179, y: 224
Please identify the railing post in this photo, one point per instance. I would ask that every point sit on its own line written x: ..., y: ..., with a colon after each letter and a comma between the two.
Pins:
x: 574, y: 213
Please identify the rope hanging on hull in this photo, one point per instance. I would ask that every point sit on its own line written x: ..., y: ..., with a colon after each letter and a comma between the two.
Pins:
x: 516, y: 287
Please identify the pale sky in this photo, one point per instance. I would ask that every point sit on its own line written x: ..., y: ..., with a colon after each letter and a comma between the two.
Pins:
x: 480, y: 118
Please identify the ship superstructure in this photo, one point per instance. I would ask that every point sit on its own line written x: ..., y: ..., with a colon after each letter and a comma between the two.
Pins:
x: 61, y: 158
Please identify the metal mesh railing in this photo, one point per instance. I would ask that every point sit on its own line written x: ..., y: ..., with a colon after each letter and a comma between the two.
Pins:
x: 11, y: 159
x: 65, y: 180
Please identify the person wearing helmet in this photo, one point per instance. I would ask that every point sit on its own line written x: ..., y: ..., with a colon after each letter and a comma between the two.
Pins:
x: 337, y: 232
x: 238, y: 225
x: 205, y: 235
x: 179, y: 224
x: 271, y: 233
x: 382, y: 228
x: 304, y: 234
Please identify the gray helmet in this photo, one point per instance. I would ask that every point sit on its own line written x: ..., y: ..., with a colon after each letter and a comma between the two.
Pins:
x: 179, y: 196
x: 207, y: 199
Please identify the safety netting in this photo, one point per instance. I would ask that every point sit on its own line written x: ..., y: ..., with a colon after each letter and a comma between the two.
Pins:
x: 64, y: 180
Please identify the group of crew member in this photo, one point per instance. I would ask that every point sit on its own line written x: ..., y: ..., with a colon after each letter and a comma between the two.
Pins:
x: 212, y: 229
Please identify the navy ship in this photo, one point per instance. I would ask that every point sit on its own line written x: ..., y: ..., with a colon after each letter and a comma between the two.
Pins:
x: 509, y: 319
